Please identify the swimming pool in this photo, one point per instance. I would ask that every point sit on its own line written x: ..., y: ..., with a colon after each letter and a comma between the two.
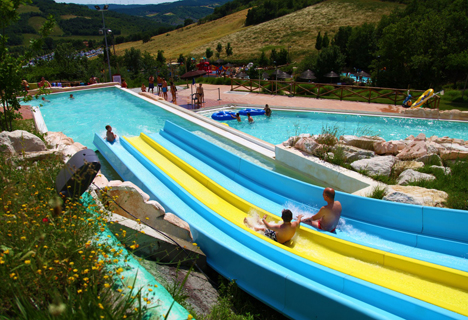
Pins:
x: 92, y: 110
x: 283, y: 124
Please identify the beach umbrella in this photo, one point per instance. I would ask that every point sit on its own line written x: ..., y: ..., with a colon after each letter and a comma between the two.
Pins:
x: 362, y: 74
x: 285, y: 75
x: 308, y: 75
x: 193, y: 74
x: 242, y: 75
x: 332, y: 74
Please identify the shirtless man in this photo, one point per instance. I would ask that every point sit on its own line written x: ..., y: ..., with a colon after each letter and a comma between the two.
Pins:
x: 251, y: 120
x: 281, y: 232
x: 159, y: 80
x: 110, y: 136
x: 200, y: 95
x: 151, y: 84
x: 43, y: 83
x: 267, y: 110
x: 328, y: 216
x: 174, y: 93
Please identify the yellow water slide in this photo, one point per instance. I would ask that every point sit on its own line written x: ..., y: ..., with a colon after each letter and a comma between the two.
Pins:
x: 438, y: 285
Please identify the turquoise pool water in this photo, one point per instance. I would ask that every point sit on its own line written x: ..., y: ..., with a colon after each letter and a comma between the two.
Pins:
x: 283, y: 124
x: 92, y: 110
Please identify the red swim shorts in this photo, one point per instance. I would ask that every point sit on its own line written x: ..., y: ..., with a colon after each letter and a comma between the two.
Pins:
x: 320, y: 227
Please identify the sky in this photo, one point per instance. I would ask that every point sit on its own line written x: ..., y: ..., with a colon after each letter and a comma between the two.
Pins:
x: 122, y: 2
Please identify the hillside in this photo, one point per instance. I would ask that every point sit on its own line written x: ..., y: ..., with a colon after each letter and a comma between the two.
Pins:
x: 73, y: 22
x: 297, y: 30
x: 173, y: 13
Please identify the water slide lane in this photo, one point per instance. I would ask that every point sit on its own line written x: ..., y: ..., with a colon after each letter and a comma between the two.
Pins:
x: 441, y: 286
x: 410, y: 230
x: 278, y: 286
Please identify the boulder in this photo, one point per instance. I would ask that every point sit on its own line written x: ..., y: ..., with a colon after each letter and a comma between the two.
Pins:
x: 410, y: 137
x: 70, y: 150
x: 453, y: 155
x: 434, y: 147
x: 100, y: 180
x: 444, y: 139
x: 308, y: 145
x: 409, y: 175
x: 455, y: 147
x: 420, y: 137
x: 450, y: 114
x: 459, y: 141
x: 291, y: 141
x: 57, y: 139
x: 416, y: 195
x: 364, y: 142
x: 19, y: 141
x: 353, y: 153
x: 401, y: 166
x: 389, y: 147
x: 375, y: 166
x: 446, y: 170
x: 430, y: 158
x: 413, y: 150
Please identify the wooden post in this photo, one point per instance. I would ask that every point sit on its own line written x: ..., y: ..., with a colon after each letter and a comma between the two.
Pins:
x: 396, y: 93
x: 341, y: 96
x: 370, y: 94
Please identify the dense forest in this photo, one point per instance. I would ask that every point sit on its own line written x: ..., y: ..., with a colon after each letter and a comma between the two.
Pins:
x: 425, y: 45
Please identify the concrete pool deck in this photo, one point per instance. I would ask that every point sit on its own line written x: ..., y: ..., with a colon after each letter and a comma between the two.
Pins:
x: 239, y: 97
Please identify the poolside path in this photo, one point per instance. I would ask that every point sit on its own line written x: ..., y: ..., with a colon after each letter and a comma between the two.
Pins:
x: 237, y: 97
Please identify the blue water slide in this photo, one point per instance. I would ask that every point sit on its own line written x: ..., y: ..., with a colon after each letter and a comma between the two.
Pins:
x: 393, y: 227
x: 289, y: 292
x: 299, y: 288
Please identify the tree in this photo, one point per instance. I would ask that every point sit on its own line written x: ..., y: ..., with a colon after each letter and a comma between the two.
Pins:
x: 148, y: 63
x: 219, y: 48
x: 181, y: 58
x: 263, y: 61
x: 160, y: 59
x: 11, y: 67
x: 187, y: 22
x: 362, y: 46
x: 132, y: 61
x: 318, y: 42
x: 273, y: 57
x: 329, y: 59
x: 146, y: 37
x: 325, y: 41
x: 229, y: 49
x: 208, y: 53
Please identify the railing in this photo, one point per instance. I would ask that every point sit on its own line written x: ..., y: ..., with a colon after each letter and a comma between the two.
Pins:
x: 329, y: 91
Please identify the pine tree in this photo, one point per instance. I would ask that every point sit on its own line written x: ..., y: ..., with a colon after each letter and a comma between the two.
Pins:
x: 325, y: 41
x: 318, y: 42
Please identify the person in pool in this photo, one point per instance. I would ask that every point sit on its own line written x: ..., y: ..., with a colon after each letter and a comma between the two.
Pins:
x: 251, y: 120
x: 110, y: 136
x: 45, y: 100
x: 328, y: 216
x: 71, y: 96
x: 267, y: 110
x: 237, y: 116
x: 280, y: 232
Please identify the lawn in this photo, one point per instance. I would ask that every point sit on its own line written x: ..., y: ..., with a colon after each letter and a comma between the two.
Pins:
x: 37, y: 22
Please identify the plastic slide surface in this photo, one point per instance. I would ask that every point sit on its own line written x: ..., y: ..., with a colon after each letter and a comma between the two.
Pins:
x: 287, y: 291
x: 437, y: 285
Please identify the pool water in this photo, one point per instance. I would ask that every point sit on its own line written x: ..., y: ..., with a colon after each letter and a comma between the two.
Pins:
x: 284, y: 124
x: 92, y: 110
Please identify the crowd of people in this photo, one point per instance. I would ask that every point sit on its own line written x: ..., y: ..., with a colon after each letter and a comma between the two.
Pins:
x: 161, y: 90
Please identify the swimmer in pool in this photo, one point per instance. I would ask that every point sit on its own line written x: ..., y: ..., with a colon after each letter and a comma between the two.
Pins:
x: 110, y: 136
x: 251, y: 120
x: 280, y: 232
x: 71, y: 96
x: 237, y: 116
x: 328, y: 216
x: 45, y: 100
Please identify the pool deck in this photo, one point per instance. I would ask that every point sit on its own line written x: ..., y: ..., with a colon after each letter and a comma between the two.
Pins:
x: 238, y: 97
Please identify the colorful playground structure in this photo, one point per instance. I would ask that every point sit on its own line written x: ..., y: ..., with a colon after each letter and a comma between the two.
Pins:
x: 408, y: 263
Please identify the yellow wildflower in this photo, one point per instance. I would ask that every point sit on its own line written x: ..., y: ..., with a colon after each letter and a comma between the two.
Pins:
x: 27, y: 261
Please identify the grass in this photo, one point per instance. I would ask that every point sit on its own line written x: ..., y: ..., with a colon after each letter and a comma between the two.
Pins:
x: 378, y: 192
x: 27, y: 8
x: 37, y: 22
x: 249, y: 42
x: 50, y: 264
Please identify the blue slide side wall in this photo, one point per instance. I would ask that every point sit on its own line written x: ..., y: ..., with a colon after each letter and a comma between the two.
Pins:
x: 268, y: 281
x: 385, y: 299
x: 416, y: 219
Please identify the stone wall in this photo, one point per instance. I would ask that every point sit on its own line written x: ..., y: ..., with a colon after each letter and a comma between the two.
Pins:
x: 436, y: 114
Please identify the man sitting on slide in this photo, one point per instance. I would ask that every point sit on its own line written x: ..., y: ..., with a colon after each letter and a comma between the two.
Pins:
x: 328, y: 216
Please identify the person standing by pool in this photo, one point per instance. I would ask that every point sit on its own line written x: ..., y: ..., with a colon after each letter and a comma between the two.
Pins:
x: 173, y: 92
x: 159, y: 85
x: 267, y: 110
x: 328, y: 216
x: 110, y: 136
x: 25, y: 85
x: 150, y: 84
x: 251, y: 120
x: 237, y: 116
x: 164, y: 88
x: 43, y: 83
x: 280, y: 232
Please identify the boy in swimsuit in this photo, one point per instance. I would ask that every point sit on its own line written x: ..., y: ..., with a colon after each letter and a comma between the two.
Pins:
x: 159, y: 85
x: 110, y: 136
x: 164, y: 89
x: 150, y: 85
x: 174, y: 93
x: 328, y: 216
x: 143, y: 88
x: 281, y: 232
x: 237, y: 116
x: 251, y: 120
x: 267, y: 110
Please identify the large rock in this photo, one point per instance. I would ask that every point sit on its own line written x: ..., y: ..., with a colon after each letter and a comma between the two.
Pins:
x: 19, y: 141
x: 308, y: 145
x: 446, y: 170
x: 389, y: 147
x: 291, y: 141
x: 455, y: 146
x: 353, y: 153
x: 364, y: 142
x: 416, y: 195
x: 410, y: 175
x: 413, y: 150
x: 431, y: 158
x: 69, y: 151
x: 401, y: 166
x: 58, y: 139
x: 375, y: 166
x: 453, y: 155
x: 420, y: 137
